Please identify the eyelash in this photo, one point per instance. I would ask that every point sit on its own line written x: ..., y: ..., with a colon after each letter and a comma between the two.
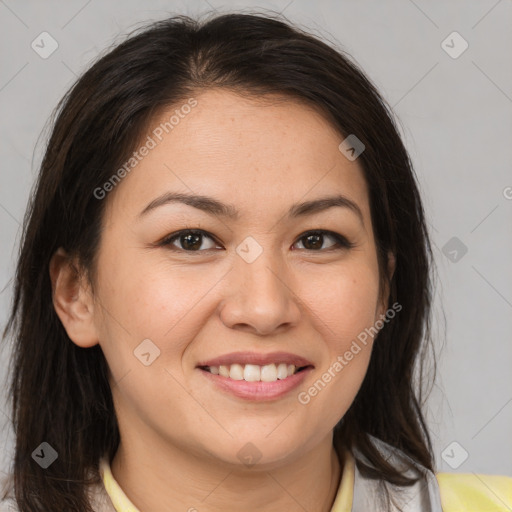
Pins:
x: 341, y: 241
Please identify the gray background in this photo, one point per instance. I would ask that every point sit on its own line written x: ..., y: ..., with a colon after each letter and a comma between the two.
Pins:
x: 455, y: 117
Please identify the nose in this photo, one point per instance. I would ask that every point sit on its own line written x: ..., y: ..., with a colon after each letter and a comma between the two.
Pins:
x: 259, y: 297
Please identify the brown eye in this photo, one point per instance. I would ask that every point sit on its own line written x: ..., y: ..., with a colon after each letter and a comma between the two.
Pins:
x: 314, y: 240
x: 190, y: 240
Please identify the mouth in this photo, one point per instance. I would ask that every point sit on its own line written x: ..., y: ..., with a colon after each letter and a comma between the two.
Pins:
x: 255, y: 373
x: 256, y: 377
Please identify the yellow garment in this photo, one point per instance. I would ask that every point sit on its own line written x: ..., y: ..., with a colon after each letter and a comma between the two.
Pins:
x: 472, y: 492
x: 117, y: 496
x: 459, y: 492
x: 343, y: 500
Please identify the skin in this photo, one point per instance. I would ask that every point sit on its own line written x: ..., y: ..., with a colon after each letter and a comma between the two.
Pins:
x: 180, y: 434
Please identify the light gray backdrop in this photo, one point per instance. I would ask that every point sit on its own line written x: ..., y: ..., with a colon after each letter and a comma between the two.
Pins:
x: 455, y: 108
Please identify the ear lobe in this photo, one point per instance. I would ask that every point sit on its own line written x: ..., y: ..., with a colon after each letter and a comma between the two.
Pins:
x: 72, y: 300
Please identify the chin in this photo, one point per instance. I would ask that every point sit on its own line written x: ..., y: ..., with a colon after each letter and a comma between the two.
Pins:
x: 259, y: 450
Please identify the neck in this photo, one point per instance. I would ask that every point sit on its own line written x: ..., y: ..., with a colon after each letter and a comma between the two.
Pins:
x: 191, y: 483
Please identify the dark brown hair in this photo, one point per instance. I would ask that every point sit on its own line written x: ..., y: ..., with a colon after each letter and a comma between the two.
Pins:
x: 60, y: 392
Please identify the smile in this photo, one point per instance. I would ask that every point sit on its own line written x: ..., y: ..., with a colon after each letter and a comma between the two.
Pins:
x: 255, y: 376
x: 255, y: 373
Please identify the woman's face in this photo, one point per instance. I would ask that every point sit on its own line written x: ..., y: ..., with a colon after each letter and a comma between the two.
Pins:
x: 252, y: 289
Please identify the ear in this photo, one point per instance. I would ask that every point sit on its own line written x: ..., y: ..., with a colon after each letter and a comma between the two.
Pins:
x: 386, y: 291
x: 72, y: 300
x: 391, y: 265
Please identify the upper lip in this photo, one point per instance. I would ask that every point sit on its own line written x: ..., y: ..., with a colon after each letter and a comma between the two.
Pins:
x: 256, y: 358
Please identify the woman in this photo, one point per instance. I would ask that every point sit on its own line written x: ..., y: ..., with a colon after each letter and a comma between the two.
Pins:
x: 223, y: 287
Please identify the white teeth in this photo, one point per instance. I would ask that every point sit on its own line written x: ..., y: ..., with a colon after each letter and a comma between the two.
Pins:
x: 254, y: 372
x: 282, y: 371
x: 236, y: 372
x: 269, y: 373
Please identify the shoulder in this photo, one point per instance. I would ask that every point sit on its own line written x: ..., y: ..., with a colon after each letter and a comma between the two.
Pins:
x: 453, y: 492
x: 474, y: 492
x: 370, y: 493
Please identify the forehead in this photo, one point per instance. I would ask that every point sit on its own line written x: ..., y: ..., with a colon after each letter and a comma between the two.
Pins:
x: 255, y: 153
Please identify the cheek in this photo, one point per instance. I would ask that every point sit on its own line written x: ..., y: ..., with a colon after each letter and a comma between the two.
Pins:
x: 141, y: 302
x: 143, y: 294
x: 346, y: 302
x: 345, y: 313
x: 146, y: 299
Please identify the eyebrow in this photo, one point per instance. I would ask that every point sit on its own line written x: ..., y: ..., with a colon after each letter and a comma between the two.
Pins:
x: 215, y: 207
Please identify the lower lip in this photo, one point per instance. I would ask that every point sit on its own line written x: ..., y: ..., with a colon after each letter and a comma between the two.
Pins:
x: 258, y: 391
